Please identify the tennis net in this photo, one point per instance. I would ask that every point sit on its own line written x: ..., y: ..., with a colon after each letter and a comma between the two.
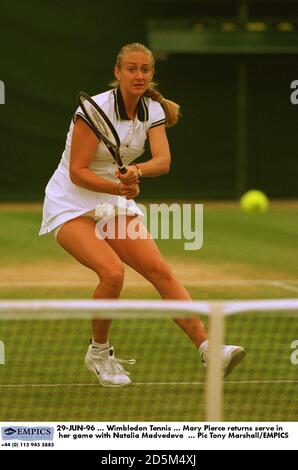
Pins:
x: 43, y: 377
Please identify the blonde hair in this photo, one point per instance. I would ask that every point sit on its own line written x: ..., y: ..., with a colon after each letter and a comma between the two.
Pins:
x: 171, y: 109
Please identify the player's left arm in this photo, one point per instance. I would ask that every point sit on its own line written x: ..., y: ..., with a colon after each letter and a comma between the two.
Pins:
x: 160, y: 162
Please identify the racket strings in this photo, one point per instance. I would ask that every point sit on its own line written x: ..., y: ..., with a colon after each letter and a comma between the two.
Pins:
x: 98, y: 121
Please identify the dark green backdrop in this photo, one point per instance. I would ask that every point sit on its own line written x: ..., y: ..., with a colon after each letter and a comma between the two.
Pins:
x: 49, y: 50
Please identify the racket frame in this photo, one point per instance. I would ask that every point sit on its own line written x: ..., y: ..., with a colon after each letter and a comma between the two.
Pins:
x: 114, y: 149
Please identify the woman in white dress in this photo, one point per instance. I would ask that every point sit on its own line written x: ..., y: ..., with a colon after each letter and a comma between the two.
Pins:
x: 86, y: 176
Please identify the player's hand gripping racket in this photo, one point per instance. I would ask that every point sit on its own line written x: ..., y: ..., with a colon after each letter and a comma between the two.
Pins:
x: 102, y: 127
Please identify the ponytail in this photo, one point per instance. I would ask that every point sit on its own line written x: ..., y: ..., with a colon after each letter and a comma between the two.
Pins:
x: 171, y: 109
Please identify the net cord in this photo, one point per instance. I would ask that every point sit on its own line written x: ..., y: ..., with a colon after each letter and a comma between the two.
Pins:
x: 78, y: 308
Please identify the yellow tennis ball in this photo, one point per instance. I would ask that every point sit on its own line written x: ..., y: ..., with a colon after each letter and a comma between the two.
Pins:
x: 254, y: 201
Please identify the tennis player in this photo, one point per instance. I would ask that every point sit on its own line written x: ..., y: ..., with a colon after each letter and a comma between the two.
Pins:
x: 87, y: 176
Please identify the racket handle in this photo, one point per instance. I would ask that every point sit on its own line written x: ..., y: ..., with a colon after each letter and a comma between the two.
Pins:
x: 122, y: 169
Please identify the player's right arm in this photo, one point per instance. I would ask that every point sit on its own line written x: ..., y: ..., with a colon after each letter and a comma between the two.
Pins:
x: 83, y: 146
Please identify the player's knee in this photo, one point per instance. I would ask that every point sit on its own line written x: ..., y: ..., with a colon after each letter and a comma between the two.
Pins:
x: 113, y: 278
x: 160, y: 271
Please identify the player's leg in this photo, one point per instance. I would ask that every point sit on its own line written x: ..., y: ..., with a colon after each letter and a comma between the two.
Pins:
x: 143, y: 255
x: 78, y: 238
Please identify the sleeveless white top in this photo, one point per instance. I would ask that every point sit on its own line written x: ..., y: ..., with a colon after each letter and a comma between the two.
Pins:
x: 65, y: 200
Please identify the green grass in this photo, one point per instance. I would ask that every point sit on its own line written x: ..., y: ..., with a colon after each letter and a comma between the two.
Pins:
x: 51, y: 353
x: 265, y: 241
x: 45, y: 362
x: 261, y: 241
x: 19, y: 240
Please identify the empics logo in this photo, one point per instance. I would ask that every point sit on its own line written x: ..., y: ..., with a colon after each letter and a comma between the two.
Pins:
x: 9, y: 431
x: 23, y: 433
x: 2, y: 92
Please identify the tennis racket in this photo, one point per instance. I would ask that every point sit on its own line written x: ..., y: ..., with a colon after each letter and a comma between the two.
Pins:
x: 99, y: 122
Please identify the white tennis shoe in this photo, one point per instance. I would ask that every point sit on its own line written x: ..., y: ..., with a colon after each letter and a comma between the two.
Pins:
x: 231, y: 356
x: 107, y: 367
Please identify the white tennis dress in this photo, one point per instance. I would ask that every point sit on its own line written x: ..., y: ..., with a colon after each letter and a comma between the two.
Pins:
x: 65, y: 200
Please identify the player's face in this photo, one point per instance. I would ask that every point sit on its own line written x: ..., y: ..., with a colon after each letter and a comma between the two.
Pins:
x: 135, y: 73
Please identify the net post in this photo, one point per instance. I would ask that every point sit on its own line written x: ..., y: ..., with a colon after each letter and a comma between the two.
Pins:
x: 214, y: 370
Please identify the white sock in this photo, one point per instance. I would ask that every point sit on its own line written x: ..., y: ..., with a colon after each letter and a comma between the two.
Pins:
x: 100, y: 346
